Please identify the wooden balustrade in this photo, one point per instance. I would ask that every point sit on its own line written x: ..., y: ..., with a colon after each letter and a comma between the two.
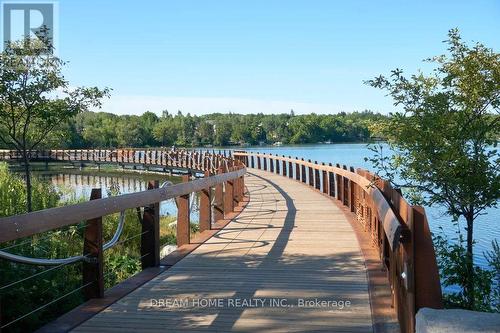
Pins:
x: 223, y: 178
x: 398, y: 230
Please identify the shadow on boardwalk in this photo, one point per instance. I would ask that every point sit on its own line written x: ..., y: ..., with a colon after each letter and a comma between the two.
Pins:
x: 271, y: 257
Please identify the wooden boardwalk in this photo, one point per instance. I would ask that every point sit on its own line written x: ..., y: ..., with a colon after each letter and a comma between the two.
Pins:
x: 290, y: 247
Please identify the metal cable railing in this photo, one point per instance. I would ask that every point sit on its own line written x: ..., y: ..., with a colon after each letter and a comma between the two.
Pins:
x: 63, y: 261
x: 115, y: 242
x: 46, y: 305
x: 184, y: 196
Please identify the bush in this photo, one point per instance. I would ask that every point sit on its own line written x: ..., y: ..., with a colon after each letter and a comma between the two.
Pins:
x: 453, y: 263
x: 121, y: 261
x: 13, y: 193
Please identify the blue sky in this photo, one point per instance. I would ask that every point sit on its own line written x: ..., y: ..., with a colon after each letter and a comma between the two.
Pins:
x: 257, y: 56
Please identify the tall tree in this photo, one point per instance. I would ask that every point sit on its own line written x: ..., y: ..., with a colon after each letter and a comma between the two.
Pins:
x: 35, y: 98
x: 444, y: 139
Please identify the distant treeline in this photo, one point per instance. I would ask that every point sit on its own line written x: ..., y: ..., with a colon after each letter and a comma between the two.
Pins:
x: 91, y: 129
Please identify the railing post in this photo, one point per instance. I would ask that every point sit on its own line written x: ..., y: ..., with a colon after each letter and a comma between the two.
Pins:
x: 259, y: 166
x: 427, y: 288
x: 150, y: 238
x: 311, y: 174
x: 92, y: 269
x: 205, y: 207
x: 228, y: 197
x: 242, y: 186
x: 271, y: 164
x: 316, y: 177
x: 352, y: 193
x: 238, y: 192
x: 340, y: 185
x: 183, y: 218
x: 277, y: 164
x: 297, y: 169
x: 345, y: 187
x: 325, y: 180
x: 264, y: 164
x: 331, y: 182
x: 219, y: 200
x: 303, y: 171
x: 237, y: 189
x: 290, y: 168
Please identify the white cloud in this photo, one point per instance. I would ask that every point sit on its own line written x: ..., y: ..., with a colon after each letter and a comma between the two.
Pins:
x: 137, y: 104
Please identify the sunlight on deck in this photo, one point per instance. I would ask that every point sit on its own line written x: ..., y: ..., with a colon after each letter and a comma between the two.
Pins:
x: 268, y: 270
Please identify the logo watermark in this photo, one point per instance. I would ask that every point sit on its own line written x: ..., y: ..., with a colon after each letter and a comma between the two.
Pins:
x: 22, y: 19
x: 337, y: 304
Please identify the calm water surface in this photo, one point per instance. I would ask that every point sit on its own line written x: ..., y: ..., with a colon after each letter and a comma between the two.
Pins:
x: 77, y: 184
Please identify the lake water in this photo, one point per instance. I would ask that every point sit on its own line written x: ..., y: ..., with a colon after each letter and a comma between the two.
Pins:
x: 81, y: 182
x: 77, y: 184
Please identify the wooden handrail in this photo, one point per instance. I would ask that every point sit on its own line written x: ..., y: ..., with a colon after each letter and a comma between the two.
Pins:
x: 399, y: 231
x: 28, y: 224
x: 228, y: 184
x: 395, y: 230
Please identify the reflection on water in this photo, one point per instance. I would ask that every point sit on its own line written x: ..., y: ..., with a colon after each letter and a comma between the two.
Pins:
x: 77, y: 185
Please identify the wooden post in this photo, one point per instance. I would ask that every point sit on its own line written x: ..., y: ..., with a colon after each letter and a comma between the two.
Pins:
x: 426, y: 273
x: 236, y: 190
x: 150, y: 238
x: 183, y: 218
x: 205, y: 207
x: 271, y: 164
x: 331, y: 182
x: 345, y: 187
x: 352, y: 193
x: 238, y: 195
x: 219, y: 201
x: 242, y: 187
x: 259, y: 166
x: 311, y: 175
x: 228, y: 197
x: 325, y: 180
x: 340, y: 185
x: 277, y: 165
x: 284, y: 167
x: 316, y: 178
x: 252, y: 163
x: 290, y: 168
x: 297, y: 169
x: 264, y: 164
x: 92, y: 248
x: 303, y: 172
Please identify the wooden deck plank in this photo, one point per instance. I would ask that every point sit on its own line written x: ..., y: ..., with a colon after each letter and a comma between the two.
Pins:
x: 289, y: 244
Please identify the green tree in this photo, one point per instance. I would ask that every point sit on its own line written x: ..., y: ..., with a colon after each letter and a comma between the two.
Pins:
x: 206, y: 132
x: 35, y: 98
x: 222, y: 132
x: 444, y: 139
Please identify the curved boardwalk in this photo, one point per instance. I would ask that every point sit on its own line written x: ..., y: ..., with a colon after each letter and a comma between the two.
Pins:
x: 289, y: 245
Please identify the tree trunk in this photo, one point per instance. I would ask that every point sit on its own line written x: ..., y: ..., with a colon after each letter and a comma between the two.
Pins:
x: 27, y: 174
x: 469, y: 287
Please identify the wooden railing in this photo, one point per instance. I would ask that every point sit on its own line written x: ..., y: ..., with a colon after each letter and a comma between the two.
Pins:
x: 184, y: 159
x: 220, y: 190
x: 398, y: 230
